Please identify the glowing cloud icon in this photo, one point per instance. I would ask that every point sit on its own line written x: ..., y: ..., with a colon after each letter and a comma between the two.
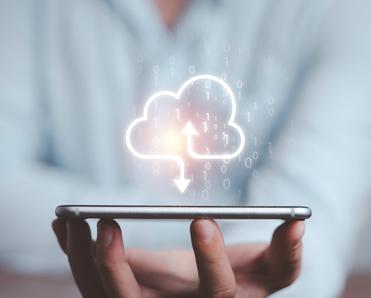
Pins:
x: 188, y: 130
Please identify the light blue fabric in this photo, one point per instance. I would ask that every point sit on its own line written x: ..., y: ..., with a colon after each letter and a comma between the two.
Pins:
x: 74, y: 73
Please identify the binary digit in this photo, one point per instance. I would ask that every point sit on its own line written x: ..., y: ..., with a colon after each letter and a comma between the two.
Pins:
x: 227, y: 183
x: 204, y: 123
x: 223, y: 169
x: 226, y: 138
x: 248, y: 162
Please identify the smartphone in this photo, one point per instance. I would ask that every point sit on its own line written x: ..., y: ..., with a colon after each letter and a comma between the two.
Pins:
x: 182, y: 212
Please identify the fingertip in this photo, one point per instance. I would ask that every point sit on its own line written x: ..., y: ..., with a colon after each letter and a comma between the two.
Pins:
x: 104, y: 233
x: 295, y: 232
x: 76, y: 226
x: 78, y: 235
x: 298, y: 230
x: 109, y: 244
x: 292, y: 231
x: 59, y: 228
x: 56, y: 223
x: 204, y: 230
x: 207, y: 240
x: 108, y: 232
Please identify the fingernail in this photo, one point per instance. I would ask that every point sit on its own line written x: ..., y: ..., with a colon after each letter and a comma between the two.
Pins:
x: 205, y: 230
x: 105, y: 234
x: 301, y: 229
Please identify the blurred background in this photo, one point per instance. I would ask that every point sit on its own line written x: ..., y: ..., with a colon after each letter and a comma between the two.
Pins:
x: 73, y: 74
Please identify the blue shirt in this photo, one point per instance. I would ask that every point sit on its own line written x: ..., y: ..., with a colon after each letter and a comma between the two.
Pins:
x: 73, y: 74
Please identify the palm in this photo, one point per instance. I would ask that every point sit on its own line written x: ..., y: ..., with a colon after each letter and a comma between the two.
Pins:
x: 174, y: 273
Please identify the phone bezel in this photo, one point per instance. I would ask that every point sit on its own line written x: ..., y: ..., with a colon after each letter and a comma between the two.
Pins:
x: 182, y: 212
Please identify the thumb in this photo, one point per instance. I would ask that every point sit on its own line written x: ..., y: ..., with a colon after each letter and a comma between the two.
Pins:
x: 284, y: 254
x: 214, y: 270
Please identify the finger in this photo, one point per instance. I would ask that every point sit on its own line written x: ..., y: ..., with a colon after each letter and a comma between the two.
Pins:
x: 214, y: 270
x: 118, y: 278
x: 81, y: 260
x: 60, y: 230
x: 284, y: 253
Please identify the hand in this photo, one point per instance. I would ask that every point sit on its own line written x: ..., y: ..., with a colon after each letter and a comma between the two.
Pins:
x: 106, y: 270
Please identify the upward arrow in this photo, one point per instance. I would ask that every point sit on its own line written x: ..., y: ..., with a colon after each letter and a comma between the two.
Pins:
x: 189, y: 129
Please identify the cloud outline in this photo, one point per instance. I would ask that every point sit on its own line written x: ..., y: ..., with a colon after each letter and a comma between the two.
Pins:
x: 231, y: 122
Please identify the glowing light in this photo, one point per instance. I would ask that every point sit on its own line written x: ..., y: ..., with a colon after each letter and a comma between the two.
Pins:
x: 175, y: 141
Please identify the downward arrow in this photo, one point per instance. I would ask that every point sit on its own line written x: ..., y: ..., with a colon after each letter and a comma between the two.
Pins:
x: 182, y: 184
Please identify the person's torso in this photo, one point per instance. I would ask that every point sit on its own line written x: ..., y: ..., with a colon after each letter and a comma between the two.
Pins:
x: 99, y: 61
